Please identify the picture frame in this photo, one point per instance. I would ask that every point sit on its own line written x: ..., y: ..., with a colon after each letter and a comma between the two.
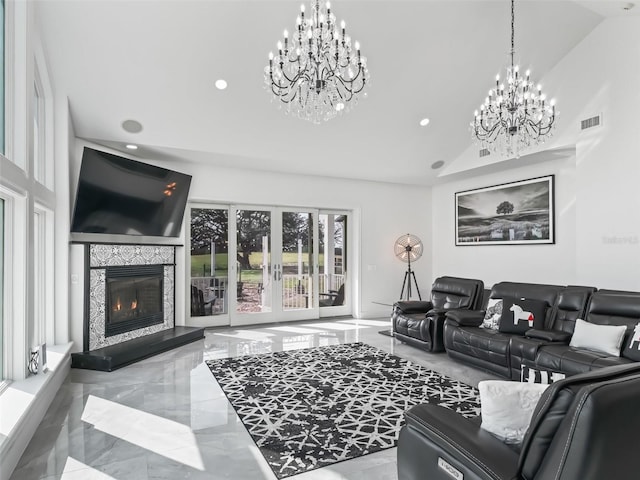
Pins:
x: 515, y: 213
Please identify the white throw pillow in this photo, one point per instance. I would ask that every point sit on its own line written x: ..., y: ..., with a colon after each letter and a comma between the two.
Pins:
x: 494, y: 312
x: 599, y: 338
x: 506, y: 407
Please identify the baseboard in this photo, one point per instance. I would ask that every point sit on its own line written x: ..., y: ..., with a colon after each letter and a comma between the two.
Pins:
x: 37, y: 393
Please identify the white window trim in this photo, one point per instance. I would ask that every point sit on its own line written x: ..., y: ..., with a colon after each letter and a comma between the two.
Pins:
x: 15, y: 277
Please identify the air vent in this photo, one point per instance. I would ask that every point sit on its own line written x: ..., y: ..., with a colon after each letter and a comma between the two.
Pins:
x: 484, y: 152
x: 591, y: 122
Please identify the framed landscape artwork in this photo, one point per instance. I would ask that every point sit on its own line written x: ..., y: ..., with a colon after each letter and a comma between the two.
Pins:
x: 517, y: 213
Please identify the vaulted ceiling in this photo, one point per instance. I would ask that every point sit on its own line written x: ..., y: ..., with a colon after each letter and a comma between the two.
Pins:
x: 156, y: 61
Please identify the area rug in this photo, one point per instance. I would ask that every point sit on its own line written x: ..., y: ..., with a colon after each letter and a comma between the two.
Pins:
x: 310, y: 408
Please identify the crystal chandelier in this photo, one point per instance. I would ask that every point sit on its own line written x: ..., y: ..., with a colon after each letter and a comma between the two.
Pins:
x: 317, y: 73
x: 514, y: 118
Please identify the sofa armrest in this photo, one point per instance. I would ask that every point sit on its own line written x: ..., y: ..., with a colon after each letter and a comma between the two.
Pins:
x: 413, y: 306
x: 466, y: 318
x: 433, y: 433
x: 549, y: 335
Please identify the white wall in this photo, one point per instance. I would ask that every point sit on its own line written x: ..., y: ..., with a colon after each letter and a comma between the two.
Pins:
x: 608, y: 173
x: 381, y: 213
x: 544, y: 263
x: 597, y: 194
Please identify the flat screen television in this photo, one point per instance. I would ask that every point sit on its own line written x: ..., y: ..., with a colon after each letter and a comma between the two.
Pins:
x: 120, y: 196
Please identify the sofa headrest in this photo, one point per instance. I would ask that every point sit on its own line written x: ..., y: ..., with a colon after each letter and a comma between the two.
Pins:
x: 454, y: 292
x: 532, y: 291
x: 610, y: 303
x: 570, y: 305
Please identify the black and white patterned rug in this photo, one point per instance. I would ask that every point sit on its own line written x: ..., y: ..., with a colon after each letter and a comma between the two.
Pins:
x: 310, y: 408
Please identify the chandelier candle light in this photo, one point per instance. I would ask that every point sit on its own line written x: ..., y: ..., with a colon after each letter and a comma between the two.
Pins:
x: 316, y: 72
x: 516, y: 116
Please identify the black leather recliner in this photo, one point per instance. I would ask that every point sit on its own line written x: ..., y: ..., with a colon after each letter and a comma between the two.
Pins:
x: 583, y: 428
x: 420, y: 323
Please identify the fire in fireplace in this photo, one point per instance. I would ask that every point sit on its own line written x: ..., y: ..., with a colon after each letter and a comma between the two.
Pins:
x: 134, y: 298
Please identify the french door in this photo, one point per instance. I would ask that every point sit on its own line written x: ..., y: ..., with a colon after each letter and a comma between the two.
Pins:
x: 253, y: 264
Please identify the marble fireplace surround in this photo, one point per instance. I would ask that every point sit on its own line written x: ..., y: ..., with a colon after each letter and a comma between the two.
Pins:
x: 101, y: 256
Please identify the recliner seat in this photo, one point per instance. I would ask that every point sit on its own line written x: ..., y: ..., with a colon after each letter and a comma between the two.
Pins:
x: 420, y: 323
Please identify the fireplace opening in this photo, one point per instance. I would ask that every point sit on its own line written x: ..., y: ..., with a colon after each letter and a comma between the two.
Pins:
x: 134, y: 298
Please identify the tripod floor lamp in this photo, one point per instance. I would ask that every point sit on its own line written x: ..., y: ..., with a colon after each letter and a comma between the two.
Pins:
x: 408, y: 248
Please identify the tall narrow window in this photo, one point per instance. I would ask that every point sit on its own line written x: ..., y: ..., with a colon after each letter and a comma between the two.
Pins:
x: 209, y: 261
x: 39, y: 275
x: 2, y: 69
x: 333, y: 263
x: 39, y: 164
x: 1, y: 289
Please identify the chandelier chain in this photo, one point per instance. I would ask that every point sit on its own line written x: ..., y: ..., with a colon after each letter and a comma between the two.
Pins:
x: 513, y: 31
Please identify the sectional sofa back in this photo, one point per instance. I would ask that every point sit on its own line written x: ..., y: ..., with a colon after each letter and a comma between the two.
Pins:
x: 570, y: 305
x: 454, y: 292
x: 615, y: 307
x: 531, y: 291
x: 564, y: 304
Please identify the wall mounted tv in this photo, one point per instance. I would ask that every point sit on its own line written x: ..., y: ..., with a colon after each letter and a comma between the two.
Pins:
x: 119, y: 196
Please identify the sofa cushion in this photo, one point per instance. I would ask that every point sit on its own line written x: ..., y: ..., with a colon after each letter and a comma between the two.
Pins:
x: 481, y: 343
x: 506, y: 407
x: 522, y: 314
x: 631, y: 344
x: 606, y: 339
x: 570, y: 360
x: 493, y: 314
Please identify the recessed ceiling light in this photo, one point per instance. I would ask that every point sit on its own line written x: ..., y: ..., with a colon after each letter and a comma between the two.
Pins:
x: 132, y: 146
x: 132, y: 126
x: 221, y: 84
x: 437, y: 165
x: 424, y: 122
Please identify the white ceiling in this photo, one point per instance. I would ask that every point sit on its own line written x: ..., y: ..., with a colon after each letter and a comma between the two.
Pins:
x: 156, y: 62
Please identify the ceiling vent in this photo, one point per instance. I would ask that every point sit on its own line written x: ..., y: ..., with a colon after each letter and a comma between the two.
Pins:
x: 484, y: 152
x: 591, y: 122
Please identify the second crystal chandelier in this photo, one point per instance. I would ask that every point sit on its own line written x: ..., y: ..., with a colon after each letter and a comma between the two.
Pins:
x: 514, y: 115
x: 317, y: 73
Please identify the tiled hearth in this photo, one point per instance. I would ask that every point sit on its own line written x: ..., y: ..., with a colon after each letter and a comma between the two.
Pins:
x: 115, y: 339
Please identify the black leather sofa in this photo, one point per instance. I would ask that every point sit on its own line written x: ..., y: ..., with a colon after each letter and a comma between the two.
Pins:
x: 545, y: 348
x: 583, y: 428
x: 420, y: 323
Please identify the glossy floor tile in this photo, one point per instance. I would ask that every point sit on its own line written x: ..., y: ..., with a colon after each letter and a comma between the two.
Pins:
x: 166, y: 417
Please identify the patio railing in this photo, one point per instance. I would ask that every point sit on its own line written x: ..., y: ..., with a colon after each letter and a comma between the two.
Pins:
x: 296, y: 291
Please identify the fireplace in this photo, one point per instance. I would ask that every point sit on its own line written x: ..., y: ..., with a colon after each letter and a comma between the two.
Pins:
x: 129, y: 306
x: 134, y: 298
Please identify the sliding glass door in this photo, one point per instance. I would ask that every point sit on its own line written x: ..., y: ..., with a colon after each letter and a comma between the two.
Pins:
x: 276, y: 264
x: 258, y: 264
x: 208, y: 290
x: 334, y: 291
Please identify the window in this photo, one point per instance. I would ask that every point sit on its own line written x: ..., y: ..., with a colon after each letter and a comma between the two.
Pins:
x: 2, y: 76
x: 42, y: 275
x: 39, y: 147
x: 1, y: 288
x: 209, y: 261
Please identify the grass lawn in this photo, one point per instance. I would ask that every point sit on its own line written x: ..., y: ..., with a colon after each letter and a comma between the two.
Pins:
x: 201, y: 265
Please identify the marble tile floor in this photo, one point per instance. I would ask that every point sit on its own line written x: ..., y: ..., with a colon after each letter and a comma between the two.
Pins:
x: 166, y: 417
